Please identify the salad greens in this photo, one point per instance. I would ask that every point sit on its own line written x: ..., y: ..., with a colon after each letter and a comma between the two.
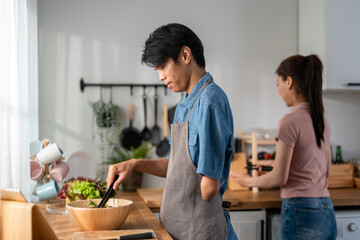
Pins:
x: 81, y: 188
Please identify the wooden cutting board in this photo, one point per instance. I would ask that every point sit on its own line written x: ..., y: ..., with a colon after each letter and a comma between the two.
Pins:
x: 238, y: 164
x: 95, y: 235
x: 152, y: 197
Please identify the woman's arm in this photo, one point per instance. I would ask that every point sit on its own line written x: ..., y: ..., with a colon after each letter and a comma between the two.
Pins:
x: 277, y: 177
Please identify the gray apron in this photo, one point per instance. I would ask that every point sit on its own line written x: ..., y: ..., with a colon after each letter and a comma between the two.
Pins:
x: 184, y: 214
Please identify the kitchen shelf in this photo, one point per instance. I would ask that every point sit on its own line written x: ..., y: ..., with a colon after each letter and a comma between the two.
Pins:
x: 254, y: 142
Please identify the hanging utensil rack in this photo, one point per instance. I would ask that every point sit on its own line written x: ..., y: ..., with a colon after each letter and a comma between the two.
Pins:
x: 110, y: 85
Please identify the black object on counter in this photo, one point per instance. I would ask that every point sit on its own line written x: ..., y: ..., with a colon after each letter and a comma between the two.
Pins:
x: 263, y: 168
x: 237, y: 145
x: 108, y: 193
x: 145, y: 235
x: 130, y: 137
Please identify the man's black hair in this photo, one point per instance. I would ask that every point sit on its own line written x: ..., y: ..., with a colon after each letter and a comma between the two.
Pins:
x: 166, y: 42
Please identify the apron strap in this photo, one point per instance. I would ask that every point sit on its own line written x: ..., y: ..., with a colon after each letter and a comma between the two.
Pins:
x: 203, y: 87
x: 192, y: 107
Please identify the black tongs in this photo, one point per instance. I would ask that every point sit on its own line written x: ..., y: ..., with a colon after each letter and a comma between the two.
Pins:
x: 108, y: 193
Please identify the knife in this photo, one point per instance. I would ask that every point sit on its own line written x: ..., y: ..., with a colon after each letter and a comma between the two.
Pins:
x: 145, y: 235
x: 263, y: 168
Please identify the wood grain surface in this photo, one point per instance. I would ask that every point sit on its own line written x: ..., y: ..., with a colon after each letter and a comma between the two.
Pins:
x: 152, y: 197
x: 95, y: 235
x: 246, y: 200
x: 140, y: 217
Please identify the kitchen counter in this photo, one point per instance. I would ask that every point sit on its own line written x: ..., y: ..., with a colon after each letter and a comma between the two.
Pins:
x: 140, y: 218
x: 246, y: 200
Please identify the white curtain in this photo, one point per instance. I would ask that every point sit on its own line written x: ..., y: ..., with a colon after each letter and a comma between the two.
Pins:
x: 18, y: 91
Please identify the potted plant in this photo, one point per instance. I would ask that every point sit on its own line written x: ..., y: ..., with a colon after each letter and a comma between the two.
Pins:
x: 107, y: 114
x: 106, y: 126
x: 121, y: 154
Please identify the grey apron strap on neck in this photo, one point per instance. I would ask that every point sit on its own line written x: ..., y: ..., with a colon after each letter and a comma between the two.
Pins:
x: 203, y: 87
x: 192, y: 107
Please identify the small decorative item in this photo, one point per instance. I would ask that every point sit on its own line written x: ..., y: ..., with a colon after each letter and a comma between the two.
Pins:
x: 120, y: 155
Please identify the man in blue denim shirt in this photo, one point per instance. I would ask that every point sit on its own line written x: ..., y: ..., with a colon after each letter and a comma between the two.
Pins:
x: 201, y: 140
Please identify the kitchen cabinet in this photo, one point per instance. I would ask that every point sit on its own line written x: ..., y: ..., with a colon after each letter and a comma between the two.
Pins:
x: 249, y: 225
x: 329, y: 28
x: 254, y: 142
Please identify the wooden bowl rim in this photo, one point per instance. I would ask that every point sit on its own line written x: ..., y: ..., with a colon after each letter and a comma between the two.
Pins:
x: 69, y: 205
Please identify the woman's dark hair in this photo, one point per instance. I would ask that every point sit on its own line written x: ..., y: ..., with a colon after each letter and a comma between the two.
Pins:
x: 167, y: 41
x: 307, y: 75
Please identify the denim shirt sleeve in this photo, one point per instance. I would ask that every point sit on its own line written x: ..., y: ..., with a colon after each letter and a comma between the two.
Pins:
x: 214, y: 134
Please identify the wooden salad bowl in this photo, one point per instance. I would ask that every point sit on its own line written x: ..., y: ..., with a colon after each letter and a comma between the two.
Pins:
x: 109, y: 218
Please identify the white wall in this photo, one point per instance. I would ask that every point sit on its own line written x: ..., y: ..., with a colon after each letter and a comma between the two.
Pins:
x: 102, y: 41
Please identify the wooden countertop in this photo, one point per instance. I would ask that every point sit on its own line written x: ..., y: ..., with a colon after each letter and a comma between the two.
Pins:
x: 152, y: 197
x: 140, y: 218
x: 245, y: 199
x: 341, y: 197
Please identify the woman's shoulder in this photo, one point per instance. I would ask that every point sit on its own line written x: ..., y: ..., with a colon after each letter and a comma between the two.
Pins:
x: 288, y: 120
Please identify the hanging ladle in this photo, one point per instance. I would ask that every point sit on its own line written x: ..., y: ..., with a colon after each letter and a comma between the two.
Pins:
x: 145, y: 133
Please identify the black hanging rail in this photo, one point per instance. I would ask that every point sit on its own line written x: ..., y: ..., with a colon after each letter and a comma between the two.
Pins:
x: 110, y: 85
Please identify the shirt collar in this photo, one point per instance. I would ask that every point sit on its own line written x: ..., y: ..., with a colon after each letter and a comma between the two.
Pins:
x: 303, y: 105
x: 189, y: 99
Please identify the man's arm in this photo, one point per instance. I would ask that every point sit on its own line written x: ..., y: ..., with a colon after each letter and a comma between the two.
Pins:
x: 209, y: 187
x: 156, y: 167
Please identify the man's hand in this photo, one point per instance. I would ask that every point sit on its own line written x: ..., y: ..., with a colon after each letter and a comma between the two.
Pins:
x: 157, y: 167
x: 124, y: 169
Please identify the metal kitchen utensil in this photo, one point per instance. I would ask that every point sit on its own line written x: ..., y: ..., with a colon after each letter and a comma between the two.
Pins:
x: 145, y: 133
x: 108, y: 193
x: 130, y: 137
x: 164, y: 146
x: 155, y: 132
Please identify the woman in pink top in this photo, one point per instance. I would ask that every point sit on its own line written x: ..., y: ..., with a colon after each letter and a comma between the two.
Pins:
x: 302, y: 159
